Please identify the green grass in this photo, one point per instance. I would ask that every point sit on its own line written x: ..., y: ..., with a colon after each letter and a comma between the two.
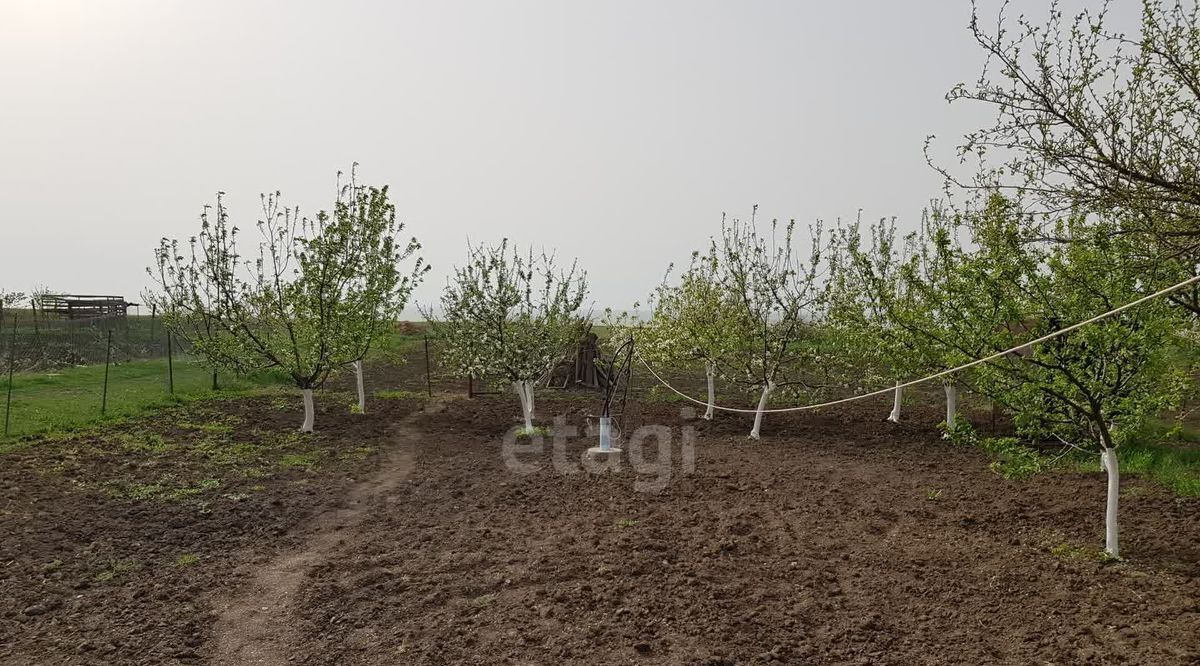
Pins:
x: 69, y: 399
x: 395, y: 347
x: 187, y: 560
x: 114, y: 569
x: 305, y: 461
x: 166, y: 489
x: 389, y: 394
x: 535, y: 431
x: 1177, y: 468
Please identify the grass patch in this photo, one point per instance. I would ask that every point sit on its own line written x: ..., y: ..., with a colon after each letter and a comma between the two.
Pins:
x: 70, y: 398
x: 217, y: 427
x: 187, y: 560
x: 115, y: 569
x: 306, y: 461
x: 398, y: 395
x: 395, y: 347
x: 1176, y: 467
x: 142, y: 442
x: 1069, y: 551
x: 225, y: 453
x: 536, y: 431
x: 357, y: 453
x: 483, y: 600
x: 166, y: 489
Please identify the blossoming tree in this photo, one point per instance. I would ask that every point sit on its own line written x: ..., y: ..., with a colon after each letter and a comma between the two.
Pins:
x: 777, y: 298
x: 312, y: 300
x: 511, y: 315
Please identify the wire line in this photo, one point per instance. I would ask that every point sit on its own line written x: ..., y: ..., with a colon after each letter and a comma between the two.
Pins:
x: 986, y: 359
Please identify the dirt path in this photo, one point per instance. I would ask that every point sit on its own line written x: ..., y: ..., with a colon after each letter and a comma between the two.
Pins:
x: 256, y: 625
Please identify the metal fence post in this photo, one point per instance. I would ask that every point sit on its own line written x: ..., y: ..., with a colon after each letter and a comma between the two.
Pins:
x: 107, y: 359
x: 428, y: 372
x: 12, y: 347
x: 170, y: 366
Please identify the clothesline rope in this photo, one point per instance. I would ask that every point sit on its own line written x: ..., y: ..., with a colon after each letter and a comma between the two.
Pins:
x: 938, y: 375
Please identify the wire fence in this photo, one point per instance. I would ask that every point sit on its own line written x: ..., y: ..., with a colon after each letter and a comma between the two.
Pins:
x: 60, y: 373
x: 35, y: 341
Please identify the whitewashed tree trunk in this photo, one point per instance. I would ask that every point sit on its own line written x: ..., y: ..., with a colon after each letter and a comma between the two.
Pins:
x: 762, y: 404
x: 894, y: 417
x: 362, y: 395
x: 951, y: 405
x: 710, y: 372
x: 1112, y: 538
x: 529, y: 392
x: 525, y: 393
x: 309, y: 416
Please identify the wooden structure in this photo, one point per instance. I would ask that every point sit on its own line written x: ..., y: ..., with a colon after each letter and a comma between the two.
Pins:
x: 584, y: 369
x: 84, y: 306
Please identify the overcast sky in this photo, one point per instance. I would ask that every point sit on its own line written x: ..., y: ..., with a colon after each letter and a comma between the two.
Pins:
x: 616, y: 131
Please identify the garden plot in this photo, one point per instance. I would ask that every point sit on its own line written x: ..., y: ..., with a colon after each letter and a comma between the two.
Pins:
x: 406, y: 535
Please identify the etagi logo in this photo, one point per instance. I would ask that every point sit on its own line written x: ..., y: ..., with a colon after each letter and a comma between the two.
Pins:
x: 649, y: 451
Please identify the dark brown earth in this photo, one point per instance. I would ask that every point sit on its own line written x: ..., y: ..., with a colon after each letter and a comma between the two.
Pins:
x: 409, y: 540
x: 112, y: 545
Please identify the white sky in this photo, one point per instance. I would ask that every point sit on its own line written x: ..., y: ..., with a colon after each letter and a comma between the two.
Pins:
x: 617, y: 132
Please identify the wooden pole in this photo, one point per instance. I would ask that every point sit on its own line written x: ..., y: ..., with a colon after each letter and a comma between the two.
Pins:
x: 170, y: 366
x: 107, y: 359
x: 428, y: 375
x: 12, y: 347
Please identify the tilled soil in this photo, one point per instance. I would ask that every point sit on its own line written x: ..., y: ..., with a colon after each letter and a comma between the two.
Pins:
x: 113, y: 543
x: 837, y: 539
x: 420, y: 537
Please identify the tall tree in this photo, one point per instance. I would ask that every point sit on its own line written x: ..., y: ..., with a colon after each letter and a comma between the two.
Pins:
x: 1092, y: 120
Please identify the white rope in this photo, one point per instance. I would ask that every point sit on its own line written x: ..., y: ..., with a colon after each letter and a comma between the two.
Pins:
x: 938, y: 375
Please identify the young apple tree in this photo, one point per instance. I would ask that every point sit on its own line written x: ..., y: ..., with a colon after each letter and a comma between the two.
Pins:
x: 1093, y: 388
x: 691, y: 321
x: 863, y: 282
x: 511, y: 315
x: 775, y: 299
x: 878, y: 310
x: 311, y: 301
x: 372, y: 296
